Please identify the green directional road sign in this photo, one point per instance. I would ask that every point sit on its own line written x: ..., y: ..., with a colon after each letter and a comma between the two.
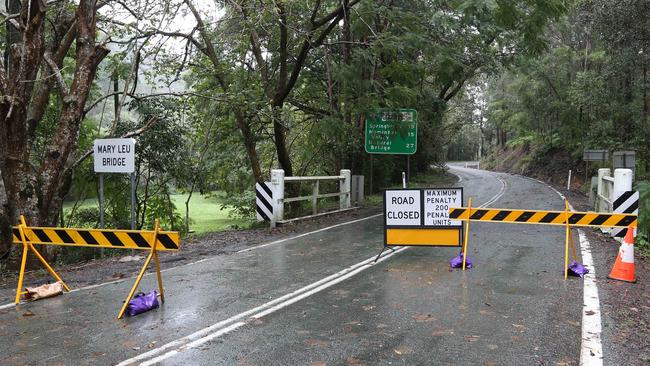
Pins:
x: 392, y: 131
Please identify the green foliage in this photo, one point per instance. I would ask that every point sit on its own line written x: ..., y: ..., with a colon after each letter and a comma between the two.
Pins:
x: 84, y: 217
x: 643, y: 237
x: 588, y: 90
x: 521, y: 141
x: 241, y: 204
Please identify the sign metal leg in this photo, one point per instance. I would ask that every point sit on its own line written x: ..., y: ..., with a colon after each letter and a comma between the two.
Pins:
x: 132, y: 201
x: 101, y: 200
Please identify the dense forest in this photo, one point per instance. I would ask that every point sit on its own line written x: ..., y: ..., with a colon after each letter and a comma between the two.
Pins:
x: 219, y: 92
x: 587, y: 90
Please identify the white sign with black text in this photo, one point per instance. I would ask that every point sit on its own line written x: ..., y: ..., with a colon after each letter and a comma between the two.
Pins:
x: 403, y: 207
x: 114, y: 155
x: 437, y: 203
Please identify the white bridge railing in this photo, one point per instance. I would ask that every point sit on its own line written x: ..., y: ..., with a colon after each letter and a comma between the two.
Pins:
x: 278, y: 181
x: 608, y: 186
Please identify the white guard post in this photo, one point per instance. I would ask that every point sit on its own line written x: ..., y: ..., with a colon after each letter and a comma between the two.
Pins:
x: 277, y: 182
x: 345, y: 187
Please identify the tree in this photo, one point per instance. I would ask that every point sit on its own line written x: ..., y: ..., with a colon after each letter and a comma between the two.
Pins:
x: 40, y: 36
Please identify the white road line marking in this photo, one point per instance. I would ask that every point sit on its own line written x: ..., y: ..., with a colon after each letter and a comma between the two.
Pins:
x: 6, y: 306
x: 193, y: 344
x: 309, y: 233
x: 591, y: 348
x: 504, y: 186
x: 206, y: 334
x: 591, y: 353
x: 496, y: 197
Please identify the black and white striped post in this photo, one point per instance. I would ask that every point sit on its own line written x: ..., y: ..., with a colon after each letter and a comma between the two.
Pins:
x: 624, y: 202
x: 264, y: 204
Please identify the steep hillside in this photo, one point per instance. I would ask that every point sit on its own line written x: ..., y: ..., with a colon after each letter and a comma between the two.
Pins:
x: 548, y: 164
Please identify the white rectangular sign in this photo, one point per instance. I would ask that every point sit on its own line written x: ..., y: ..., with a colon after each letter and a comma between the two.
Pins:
x: 114, y: 155
x: 437, y: 203
x: 403, y: 207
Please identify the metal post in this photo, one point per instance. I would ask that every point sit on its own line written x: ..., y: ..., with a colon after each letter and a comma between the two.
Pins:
x: 132, y: 201
x: 370, y: 174
x: 408, y: 167
x: 568, y: 182
x: 101, y: 200
x: 403, y: 180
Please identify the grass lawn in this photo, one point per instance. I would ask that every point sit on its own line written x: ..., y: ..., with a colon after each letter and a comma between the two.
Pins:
x: 206, y: 214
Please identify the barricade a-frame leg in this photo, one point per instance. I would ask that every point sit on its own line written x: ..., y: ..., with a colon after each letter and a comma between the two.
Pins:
x: 153, y: 254
x: 27, y: 246
x: 466, y: 238
x: 568, y: 240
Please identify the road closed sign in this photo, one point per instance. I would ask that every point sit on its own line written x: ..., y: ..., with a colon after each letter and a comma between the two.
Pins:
x: 114, y: 155
x: 437, y: 203
x: 420, y: 217
x: 403, y: 207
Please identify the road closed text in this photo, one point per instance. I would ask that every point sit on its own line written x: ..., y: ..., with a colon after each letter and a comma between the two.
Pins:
x: 403, y: 207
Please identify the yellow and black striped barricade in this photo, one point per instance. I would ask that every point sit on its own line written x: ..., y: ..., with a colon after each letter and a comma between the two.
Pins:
x: 152, y: 240
x: 565, y: 218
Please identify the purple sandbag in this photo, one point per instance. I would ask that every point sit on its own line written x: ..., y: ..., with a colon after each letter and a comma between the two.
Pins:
x: 457, y: 261
x: 577, y: 269
x: 142, y: 303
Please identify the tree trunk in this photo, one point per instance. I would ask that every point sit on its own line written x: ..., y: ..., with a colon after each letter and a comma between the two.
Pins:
x: 281, y: 140
x: 249, y: 144
x: 37, y: 192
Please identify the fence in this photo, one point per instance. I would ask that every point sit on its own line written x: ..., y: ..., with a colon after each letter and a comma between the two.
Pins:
x: 278, y: 181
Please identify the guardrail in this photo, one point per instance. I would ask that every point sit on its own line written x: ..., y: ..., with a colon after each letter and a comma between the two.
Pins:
x: 608, y: 186
x: 473, y: 164
x: 278, y: 181
x: 605, y: 193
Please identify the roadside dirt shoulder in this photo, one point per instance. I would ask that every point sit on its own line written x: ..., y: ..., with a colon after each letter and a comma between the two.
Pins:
x: 192, y: 249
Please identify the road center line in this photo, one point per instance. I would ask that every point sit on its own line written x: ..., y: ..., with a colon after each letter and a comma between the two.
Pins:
x: 223, y: 327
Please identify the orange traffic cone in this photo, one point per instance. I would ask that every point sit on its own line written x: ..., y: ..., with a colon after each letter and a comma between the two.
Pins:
x: 623, y: 269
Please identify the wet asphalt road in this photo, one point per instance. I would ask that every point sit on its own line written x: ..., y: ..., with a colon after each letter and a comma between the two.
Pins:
x: 513, y: 308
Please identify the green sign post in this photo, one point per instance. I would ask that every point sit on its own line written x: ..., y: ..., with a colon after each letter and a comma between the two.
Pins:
x: 392, y: 131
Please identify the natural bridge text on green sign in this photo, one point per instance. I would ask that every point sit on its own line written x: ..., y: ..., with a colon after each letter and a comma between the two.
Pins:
x: 391, y: 131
